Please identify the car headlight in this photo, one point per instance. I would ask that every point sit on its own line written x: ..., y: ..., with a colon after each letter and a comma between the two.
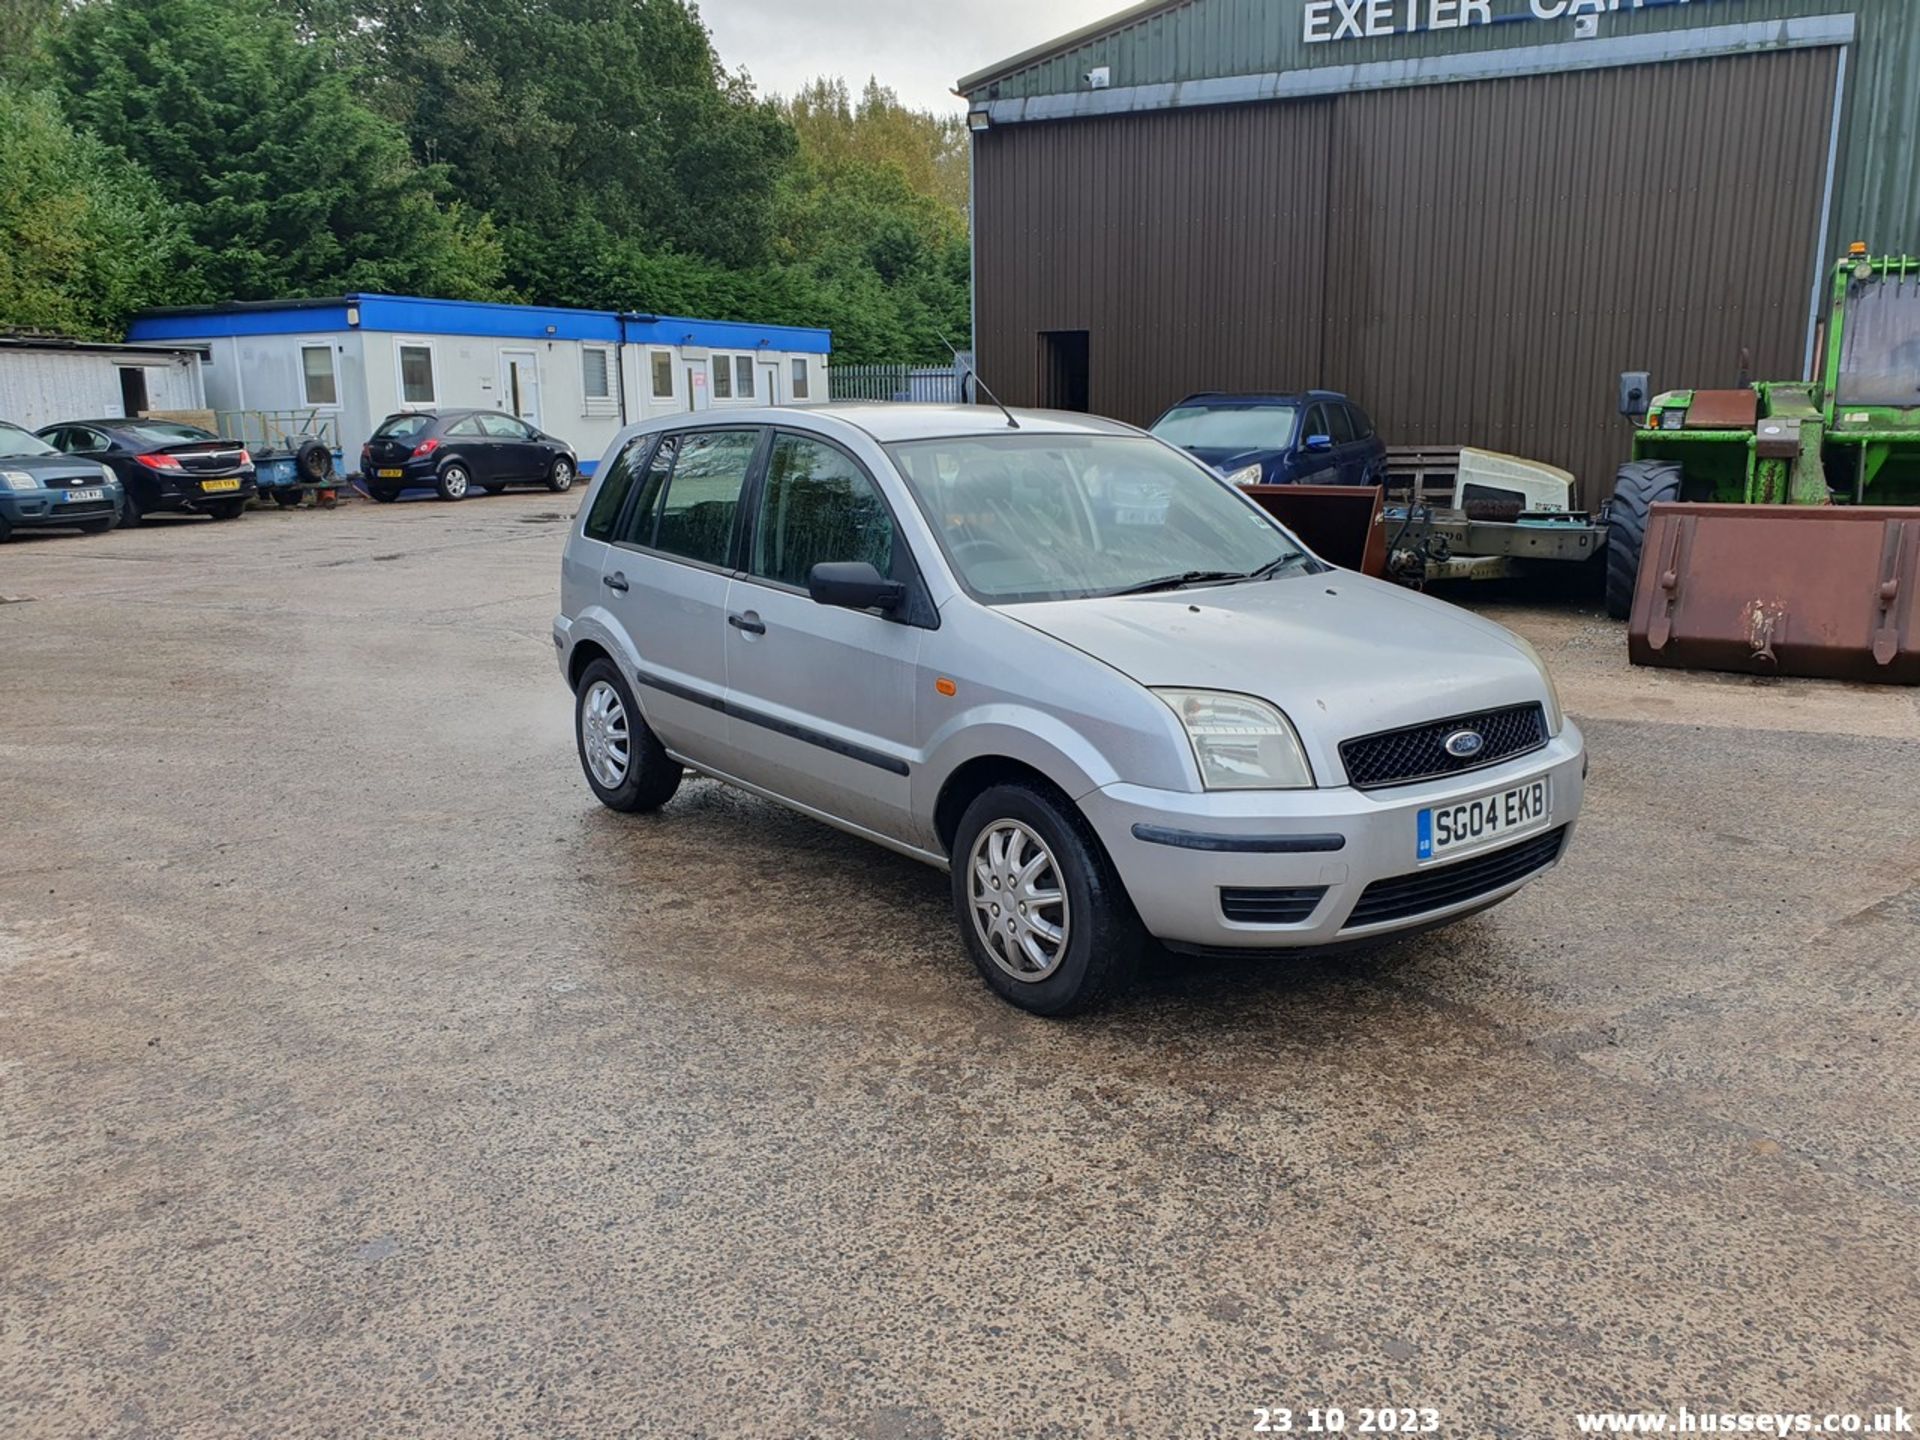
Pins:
x: 19, y: 480
x: 1239, y: 742
x: 1248, y: 475
x: 1556, y: 718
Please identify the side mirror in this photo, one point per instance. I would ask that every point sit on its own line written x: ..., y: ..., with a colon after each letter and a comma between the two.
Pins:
x: 854, y: 585
x: 1636, y: 391
x: 1319, y: 444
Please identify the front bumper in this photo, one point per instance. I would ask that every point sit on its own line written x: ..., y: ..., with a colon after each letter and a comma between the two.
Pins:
x: 1176, y: 852
x: 25, y: 509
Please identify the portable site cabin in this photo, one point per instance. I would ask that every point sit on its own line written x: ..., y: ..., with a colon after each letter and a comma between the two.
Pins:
x: 347, y: 362
x: 44, y: 380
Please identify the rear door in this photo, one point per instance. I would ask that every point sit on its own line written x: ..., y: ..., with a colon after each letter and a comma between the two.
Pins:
x: 665, y: 579
x: 822, y: 697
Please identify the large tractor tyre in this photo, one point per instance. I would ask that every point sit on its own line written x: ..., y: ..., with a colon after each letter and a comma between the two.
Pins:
x: 313, y: 460
x: 1641, y: 485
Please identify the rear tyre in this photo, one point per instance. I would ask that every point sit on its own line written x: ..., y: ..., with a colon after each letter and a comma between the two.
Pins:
x: 385, y: 497
x: 1044, y: 916
x: 626, y: 766
x: 560, y: 477
x: 1640, y: 486
x: 454, y: 482
x: 130, y: 514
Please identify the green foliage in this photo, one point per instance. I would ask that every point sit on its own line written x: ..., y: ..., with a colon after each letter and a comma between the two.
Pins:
x: 85, y: 237
x: 287, y: 183
x: 574, y: 152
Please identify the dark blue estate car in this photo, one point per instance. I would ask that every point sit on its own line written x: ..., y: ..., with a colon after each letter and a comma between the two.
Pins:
x: 1315, y: 437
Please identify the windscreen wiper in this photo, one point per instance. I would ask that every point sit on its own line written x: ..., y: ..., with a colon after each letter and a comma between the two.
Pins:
x: 1176, y: 582
x: 1274, y: 567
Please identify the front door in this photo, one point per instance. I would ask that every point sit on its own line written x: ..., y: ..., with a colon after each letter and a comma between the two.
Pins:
x: 1316, y: 466
x: 665, y: 580
x: 822, y: 698
x: 520, y: 385
x: 515, y: 455
x: 470, y: 442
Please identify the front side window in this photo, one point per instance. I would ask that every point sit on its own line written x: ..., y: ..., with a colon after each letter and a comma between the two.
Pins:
x: 722, y: 367
x: 663, y: 374
x: 818, y: 507
x: 743, y: 376
x: 800, y: 378
x: 643, y: 519
x: 596, y: 373
x: 316, y: 372
x: 1062, y: 517
x: 416, y: 375
x: 703, y: 494
x: 504, y: 427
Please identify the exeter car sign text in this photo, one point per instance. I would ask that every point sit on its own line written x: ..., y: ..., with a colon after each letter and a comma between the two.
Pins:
x: 1325, y: 20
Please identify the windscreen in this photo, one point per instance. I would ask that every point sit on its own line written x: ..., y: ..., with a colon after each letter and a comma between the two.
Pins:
x: 403, y: 427
x: 1236, y: 428
x: 1880, y: 353
x: 1054, y: 517
x: 15, y: 442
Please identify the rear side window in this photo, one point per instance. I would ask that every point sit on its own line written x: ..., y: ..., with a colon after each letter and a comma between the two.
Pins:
x: 467, y: 425
x: 1342, y: 428
x: 818, y: 507
x: 703, y: 494
x: 615, y: 486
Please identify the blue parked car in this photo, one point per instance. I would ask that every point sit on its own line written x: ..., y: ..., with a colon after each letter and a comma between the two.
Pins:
x: 40, y: 487
x: 1315, y: 437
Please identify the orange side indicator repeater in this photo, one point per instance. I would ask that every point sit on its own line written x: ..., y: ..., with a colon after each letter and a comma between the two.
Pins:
x: 946, y: 686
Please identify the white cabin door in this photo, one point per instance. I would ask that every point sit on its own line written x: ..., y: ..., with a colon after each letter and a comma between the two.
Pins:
x: 520, y: 385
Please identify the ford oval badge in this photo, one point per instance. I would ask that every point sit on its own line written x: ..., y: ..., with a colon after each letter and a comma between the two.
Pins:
x: 1464, y: 744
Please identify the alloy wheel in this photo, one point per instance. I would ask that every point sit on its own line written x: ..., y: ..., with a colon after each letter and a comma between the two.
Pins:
x: 604, y: 735
x: 1019, y: 901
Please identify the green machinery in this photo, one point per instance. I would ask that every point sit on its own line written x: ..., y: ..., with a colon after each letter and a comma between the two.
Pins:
x: 1851, y: 438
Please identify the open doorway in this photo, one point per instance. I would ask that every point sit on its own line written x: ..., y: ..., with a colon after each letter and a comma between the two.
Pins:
x: 1063, y: 370
x: 133, y: 391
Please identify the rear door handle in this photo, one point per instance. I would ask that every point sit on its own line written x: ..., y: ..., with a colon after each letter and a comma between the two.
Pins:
x: 748, y: 624
x: 616, y: 581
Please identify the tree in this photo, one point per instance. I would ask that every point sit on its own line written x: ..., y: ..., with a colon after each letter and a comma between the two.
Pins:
x: 287, y: 184
x: 85, y: 237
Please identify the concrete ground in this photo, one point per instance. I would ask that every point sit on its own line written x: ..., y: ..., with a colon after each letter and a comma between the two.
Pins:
x: 360, y: 1076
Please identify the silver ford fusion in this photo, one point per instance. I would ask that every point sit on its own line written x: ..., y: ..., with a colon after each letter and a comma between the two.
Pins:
x: 1062, y: 660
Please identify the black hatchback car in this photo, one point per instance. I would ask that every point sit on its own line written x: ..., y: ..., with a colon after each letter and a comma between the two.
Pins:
x: 452, y: 451
x: 163, y: 465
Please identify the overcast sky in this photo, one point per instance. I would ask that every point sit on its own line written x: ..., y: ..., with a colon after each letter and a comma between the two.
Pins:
x: 920, y: 48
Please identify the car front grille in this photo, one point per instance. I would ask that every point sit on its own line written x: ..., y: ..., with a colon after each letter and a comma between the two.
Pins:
x: 1401, y: 757
x: 1425, y: 891
x: 1271, y: 907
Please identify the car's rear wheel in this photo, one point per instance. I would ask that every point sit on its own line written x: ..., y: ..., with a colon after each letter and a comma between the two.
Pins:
x: 1042, y: 913
x: 454, y: 482
x: 625, y: 764
x: 130, y: 513
x: 560, y: 477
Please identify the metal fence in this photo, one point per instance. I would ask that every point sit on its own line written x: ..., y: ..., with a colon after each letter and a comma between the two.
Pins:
x: 917, y: 384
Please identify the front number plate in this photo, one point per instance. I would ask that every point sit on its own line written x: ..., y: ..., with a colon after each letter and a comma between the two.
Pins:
x: 75, y: 496
x: 213, y: 487
x: 1453, y: 829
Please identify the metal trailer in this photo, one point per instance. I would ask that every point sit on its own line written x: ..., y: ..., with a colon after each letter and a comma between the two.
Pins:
x: 296, y: 453
x: 1775, y: 528
x: 1469, y: 514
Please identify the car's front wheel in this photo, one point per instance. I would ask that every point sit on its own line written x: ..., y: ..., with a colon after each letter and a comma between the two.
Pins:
x: 454, y: 482
x: 560, y: 478
x: 1044, y: 917
x: 625, y: 763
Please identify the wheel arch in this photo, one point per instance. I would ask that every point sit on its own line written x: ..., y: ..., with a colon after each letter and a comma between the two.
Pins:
x: 585, y: 652
x: 975, y: 777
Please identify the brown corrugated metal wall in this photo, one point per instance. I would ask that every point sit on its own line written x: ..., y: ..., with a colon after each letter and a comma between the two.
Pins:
x: 1475, y: 263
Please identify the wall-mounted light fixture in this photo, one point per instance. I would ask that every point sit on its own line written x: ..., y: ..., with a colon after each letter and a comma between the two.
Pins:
x: 979, y: 119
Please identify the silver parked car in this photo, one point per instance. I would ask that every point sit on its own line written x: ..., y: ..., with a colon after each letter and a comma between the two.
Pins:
x: 1066, y: 662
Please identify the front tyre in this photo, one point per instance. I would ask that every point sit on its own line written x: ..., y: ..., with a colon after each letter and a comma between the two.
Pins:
x: 1044, y: 917
x: 454, y: 482
x: 625, y: 764
x: 1640, y: 486
x: 560, y: 478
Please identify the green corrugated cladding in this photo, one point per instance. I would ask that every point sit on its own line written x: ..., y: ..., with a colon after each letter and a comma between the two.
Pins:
x: 1878, y: 196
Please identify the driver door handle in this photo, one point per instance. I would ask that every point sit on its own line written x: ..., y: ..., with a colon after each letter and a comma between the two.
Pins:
x: 748, y: 624
x: 616, y: 581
